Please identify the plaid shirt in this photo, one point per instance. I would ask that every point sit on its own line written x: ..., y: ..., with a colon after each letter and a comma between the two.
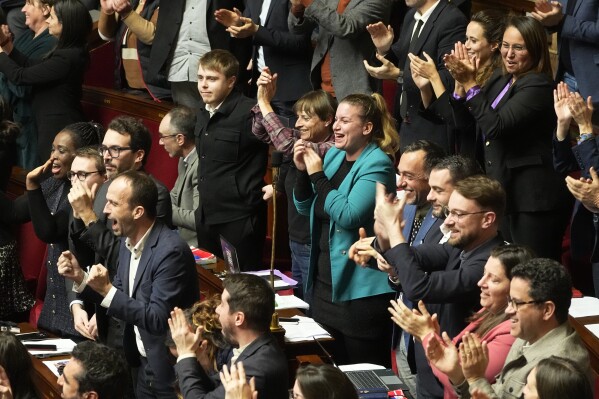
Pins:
x: 269, y: 129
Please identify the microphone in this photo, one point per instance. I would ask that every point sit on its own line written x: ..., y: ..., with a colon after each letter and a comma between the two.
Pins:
x: 276, y: 159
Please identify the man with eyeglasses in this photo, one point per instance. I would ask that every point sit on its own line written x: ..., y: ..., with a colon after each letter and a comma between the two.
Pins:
x: 178, y: 139
x: 444, y: 276
x: 126, y: 146
x: 540, y: 296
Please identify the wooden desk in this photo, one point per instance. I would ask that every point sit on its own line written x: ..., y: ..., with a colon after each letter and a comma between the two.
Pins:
x: 44, y: 380
x: 589, y: 339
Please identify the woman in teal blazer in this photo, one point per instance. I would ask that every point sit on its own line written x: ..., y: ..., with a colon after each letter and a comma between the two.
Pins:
x: 349, y: 301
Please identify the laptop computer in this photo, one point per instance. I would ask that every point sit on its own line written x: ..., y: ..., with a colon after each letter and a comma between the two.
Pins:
x: 371, y: 384
x: 230, y: 256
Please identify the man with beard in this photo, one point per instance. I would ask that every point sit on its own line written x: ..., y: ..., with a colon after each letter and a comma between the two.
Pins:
x: 245, y: 311
x: 444, y: 276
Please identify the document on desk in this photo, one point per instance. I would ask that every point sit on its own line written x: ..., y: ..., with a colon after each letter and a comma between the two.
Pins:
x: 56, y: 366
x: 584, y: 307
x: 289, y: 302
x: 594, y: 328
x: 50, y: 347
x: 305, y: 329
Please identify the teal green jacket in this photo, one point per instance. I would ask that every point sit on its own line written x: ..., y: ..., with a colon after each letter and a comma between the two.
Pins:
x: 350, y: 207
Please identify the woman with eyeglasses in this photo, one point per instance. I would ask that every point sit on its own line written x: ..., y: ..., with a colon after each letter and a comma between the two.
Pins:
x: 46, y: 205
x: 491, y: 323
x: 15, y: 369
x: 339, y: 197
x: 515, y: 122
x: 57, y: 77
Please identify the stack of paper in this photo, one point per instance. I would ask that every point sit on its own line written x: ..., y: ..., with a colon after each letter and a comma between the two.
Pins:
x: 584, y: 307
x: 289, y: 302
x: 63, y: 347
x: 306, y: 329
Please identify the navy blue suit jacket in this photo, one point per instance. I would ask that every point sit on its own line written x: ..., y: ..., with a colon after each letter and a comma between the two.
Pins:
x: 581, y: 30
x: 286, y: 53
x: 429, y: 232
x: 447, y: 283
x: 165, y: 278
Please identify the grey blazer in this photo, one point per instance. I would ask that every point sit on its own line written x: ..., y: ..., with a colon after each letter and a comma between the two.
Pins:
x: 185, y: 199
x: 345, y: 36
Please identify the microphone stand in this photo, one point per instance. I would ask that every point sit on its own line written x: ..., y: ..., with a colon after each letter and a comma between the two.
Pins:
x: 276, y: 161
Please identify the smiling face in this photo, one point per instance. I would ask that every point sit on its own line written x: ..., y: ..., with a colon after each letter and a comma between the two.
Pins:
x: 35, y: 15
x: 311, y: 127
x: 62, y: 155
x: 412, y: 178
x: 517, y: 61
x: 68, y: 382
x: 351, y: 132
x: 441, y: 185
x: 117, y: 208
x: 54, y: 26
x: 214, y: 86
x: 494, y: 286
x: 467, y: 228
x: 476, y: 43
x: 526, y: 321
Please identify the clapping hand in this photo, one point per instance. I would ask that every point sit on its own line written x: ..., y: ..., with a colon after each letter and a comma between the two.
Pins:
x: 548, y: 13
x: 561, y: 98
x: 245, y: 28
x: 267, y: 85
x: 462, y: 67
x: 186, y: 340
x: 585, y: 190
x: 312, y: 160
x: 418, y: 323
x: 381, y: 35
x: 582, y: 112
x: 386, y: 71
x: 361, y: 251
x: 388, y: 213
x: 444, y: 356
x: 228, y: 18
x: 475, y: 357
x: 236, y: 384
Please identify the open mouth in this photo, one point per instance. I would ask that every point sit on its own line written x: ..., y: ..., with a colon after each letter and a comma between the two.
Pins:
x: 56, y: 168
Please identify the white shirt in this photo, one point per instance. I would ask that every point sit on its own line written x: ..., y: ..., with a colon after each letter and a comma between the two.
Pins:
x: 423, y: 17
x: 263, y: 14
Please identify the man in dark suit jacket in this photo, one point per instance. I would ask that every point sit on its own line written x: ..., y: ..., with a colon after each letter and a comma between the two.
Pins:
x: 244, y: 313
x: 577, y: 24
x: 445, y: 276
x: 232, y: 164
x: 285, y: 53
x: 442, y: 26
x: 168, y: 28
x: 126, y: 146
x: 156, y: 273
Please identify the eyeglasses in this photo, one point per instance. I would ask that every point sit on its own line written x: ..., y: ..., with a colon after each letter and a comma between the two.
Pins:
x: 161, y: 138
x: 516, y: 304
x: 518, y: 48
x: 410, y: 176
x: 81, y: 175
x: 113, y: 151
x: 458, y: 215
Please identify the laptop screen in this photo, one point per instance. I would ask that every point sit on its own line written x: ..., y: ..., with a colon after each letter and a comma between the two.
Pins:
x: 230, y: 256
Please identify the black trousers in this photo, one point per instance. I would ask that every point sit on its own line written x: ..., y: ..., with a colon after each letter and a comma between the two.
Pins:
x: 246, y: 235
